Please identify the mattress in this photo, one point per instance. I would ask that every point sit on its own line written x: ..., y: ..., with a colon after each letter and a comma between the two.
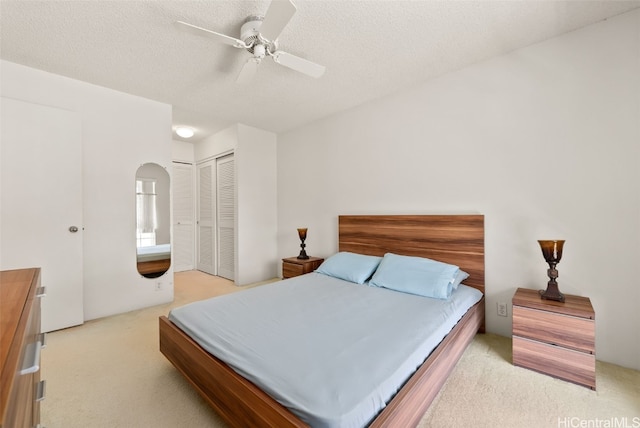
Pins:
x: 331, y: 351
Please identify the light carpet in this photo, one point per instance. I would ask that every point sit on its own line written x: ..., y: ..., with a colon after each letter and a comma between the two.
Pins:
x: 110, y: 373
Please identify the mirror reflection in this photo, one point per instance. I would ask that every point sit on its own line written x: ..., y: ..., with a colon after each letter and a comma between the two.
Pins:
x: 153, y: 241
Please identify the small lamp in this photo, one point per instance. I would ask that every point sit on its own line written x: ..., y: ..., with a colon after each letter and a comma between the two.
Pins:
x: 302, y: 234
x: 552, y: 252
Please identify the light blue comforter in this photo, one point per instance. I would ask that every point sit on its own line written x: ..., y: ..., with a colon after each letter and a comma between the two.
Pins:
x: 331, y: 351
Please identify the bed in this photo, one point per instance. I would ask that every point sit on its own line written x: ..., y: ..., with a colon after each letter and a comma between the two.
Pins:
x: 153, y: 260
x: 455, y: 239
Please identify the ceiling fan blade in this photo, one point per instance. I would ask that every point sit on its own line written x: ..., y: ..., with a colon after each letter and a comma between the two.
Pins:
x: 298, y: 64
x: 277, y: 17
x: 199, y: 31
x: 248, y: 70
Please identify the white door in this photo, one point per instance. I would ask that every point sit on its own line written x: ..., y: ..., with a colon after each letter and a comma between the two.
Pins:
x: 206, y: 219
x: 41, y: 182
x: 225, y: 216
x: 183, y: 217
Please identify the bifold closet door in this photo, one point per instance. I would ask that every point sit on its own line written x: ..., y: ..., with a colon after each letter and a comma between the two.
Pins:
x: 216, y: 217
x: 183, y: 217
x: 225, y: 215
x: 41, y: 218
x: 206, y: 218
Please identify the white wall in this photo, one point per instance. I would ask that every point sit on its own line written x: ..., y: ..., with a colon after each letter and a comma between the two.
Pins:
x: 256, y: 197
x: 544, y: 141
x: 119, y: 133
x: 219, y: 143
x: 182, y: 151
x: 257, y: 223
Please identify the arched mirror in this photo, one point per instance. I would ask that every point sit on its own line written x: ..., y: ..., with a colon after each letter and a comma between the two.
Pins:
x: 153, y: 236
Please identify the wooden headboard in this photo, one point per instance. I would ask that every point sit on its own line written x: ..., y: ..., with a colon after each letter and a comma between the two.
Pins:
x: 454, y: 239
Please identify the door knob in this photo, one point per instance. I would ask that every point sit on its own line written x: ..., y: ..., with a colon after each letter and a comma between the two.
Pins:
x: 73, y: 229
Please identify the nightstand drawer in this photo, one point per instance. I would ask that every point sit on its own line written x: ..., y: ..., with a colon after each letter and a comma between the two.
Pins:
x: 556, y: 329
x: 293, y: 266
x: 290, y: 270
x: 562, y: 363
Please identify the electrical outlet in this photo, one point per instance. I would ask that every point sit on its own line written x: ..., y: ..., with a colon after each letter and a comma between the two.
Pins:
x: 502, y: 309
x: 158, y: 285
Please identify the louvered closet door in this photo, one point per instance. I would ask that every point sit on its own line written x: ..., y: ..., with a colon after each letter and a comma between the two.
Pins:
x: 183, y: 218
x: 226, y: 207
x: 205, y: 225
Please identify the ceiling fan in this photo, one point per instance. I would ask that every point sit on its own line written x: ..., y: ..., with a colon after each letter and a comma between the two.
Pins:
x: 259, y: 36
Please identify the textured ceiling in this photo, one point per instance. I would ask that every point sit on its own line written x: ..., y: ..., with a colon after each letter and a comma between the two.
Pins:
x: 371, y: 48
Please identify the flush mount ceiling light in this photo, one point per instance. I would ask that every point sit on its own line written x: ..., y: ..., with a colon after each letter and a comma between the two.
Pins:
x: 184, y: 132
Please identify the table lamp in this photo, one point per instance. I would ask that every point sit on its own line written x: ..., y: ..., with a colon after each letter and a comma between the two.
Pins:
x: 302, y: 234
x: 552, y: 252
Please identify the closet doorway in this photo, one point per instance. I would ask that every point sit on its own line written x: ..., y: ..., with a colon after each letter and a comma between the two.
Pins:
x: 216, y: 217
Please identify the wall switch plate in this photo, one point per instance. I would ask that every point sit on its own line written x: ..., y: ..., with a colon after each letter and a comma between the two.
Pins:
x: 502, y: 309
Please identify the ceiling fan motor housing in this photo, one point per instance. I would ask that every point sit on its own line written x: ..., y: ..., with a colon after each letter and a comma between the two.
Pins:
x: 250, y: 30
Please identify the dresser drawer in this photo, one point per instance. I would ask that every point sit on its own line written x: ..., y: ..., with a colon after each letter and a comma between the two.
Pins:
x: 567, y: 364
x: 20, y: 384
x: 555, y: 329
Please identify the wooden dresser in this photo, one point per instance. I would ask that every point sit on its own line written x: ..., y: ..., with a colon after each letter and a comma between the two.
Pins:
x: 21, y: 389
x: 555, y: 338
x: 293, y: 266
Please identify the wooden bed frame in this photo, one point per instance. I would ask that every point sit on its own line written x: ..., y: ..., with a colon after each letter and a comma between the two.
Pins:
x: 455, y: 239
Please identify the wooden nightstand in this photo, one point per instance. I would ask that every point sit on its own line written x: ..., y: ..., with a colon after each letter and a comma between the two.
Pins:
x: 555, y: 338
x: 293, y: 266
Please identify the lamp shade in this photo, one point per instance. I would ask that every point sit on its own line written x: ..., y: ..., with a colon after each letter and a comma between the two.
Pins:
x: 552, y: 250
x: 302, y: 233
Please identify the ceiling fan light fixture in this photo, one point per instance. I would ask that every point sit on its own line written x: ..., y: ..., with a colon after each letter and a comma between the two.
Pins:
x: 184, y: 132
x: 259, y: 51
